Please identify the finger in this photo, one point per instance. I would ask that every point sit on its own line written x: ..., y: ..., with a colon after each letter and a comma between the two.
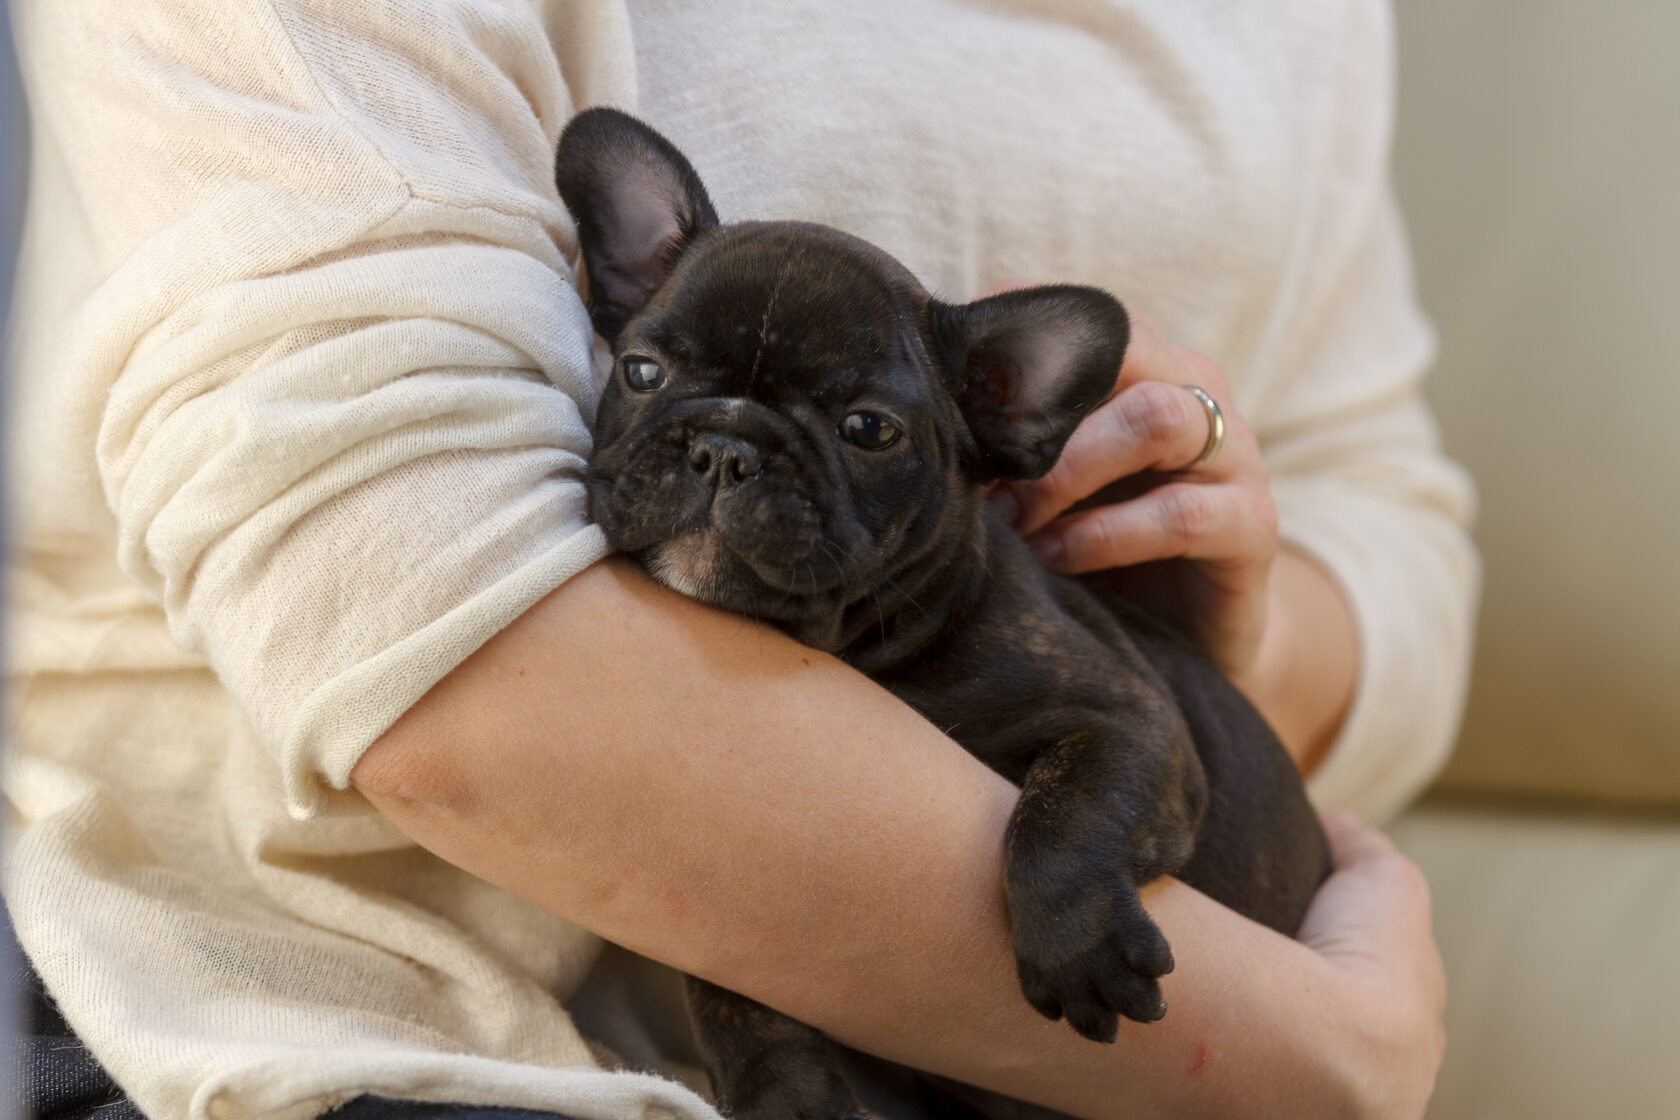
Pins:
x: 1179, y: 519
x: 1353, y: 842
x: 1151, y: 425
x: 1150, y: 357
x: 1375, y: 897
x: 1366, y: 856
x: 1357, y: 847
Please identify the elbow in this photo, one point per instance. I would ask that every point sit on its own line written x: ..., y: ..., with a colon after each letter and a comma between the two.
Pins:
x: 407, y: 771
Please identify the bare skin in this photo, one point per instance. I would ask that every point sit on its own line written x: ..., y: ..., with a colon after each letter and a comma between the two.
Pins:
x: 1303, y: 675
x: 703, y: 790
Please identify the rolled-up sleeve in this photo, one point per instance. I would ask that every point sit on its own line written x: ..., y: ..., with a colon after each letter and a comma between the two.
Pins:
x: 336, y: 377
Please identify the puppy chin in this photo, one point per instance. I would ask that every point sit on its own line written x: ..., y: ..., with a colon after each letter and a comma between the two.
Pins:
x: 689, y: 564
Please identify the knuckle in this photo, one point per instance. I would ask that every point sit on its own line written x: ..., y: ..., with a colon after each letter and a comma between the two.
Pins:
x: 1100, y: 435
x: 1109, y: 424
x: 1409, y: 881
x: 1154, y: 411
x: 1185, y: 512
x: 1411, y: 874
x: 1095, y: 543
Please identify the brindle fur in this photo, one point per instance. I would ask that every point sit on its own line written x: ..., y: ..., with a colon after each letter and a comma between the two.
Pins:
x: 1135, y: 757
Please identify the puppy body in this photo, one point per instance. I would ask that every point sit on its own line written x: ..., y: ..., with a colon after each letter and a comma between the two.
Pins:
x: 797, y: 431
x: 1037, y: 665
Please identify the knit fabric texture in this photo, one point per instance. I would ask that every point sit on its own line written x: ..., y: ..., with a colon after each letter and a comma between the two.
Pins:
x: 303, y: 384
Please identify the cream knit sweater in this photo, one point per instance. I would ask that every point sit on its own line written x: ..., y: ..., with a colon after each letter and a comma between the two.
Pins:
x: 301, y: 381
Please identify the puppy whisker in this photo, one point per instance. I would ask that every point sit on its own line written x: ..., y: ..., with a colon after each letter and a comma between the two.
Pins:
x: 905, y: 595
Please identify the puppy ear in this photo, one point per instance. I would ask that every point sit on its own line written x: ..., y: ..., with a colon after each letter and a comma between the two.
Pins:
x: 1025, y: 368
x: 637, y: 202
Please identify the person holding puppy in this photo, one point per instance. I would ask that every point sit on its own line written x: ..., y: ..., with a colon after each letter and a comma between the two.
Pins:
x: 304, y: 386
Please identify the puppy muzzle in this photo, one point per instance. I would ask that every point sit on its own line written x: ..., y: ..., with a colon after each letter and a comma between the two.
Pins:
x: 725, y: 501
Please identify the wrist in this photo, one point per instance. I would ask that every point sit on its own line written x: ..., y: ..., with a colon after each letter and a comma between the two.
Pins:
x: 1265, y: 680
x: 1391, y: 1052
x: 1303, y: 675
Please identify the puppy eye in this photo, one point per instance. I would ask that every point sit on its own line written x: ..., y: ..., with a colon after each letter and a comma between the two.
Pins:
x: 643, y: 374
x: 868, y: 430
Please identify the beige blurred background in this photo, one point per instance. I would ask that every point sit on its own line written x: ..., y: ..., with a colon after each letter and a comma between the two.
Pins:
x: 1538, y: 159
x: 1538, y: 162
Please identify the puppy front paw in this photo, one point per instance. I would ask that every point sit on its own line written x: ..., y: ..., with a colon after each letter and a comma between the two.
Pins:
x: 1090, y: 956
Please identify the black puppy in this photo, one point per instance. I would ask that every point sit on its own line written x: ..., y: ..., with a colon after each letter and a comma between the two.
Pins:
x: 795, y: 430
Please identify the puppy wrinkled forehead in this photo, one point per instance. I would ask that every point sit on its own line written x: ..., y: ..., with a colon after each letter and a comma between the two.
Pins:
x: 778, y: 300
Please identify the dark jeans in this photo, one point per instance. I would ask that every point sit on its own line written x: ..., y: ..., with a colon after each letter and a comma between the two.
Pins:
x: 58, y: 1079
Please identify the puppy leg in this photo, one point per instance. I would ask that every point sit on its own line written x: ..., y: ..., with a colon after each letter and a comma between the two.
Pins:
x: 1102, y: 811
x: 764, y: 1065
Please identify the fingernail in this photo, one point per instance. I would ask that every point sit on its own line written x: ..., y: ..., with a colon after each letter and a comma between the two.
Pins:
x: 1006, y: 505
x: 1048, y: 546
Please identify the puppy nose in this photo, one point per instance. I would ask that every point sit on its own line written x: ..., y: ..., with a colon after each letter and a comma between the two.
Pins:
x: 722, y: 460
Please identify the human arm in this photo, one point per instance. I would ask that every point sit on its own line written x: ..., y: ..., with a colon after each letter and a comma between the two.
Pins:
x: 703, y: 790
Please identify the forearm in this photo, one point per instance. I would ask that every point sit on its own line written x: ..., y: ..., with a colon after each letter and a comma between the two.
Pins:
x: 1304, y: 674
x: 705, y: 791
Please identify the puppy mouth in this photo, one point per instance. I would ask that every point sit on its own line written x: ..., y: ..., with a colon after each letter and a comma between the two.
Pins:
x: 707, y: 564
x: 688, y: 564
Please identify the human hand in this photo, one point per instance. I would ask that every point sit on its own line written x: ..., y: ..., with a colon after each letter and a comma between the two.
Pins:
x: 1370, y: 922
x: 1214, y: 523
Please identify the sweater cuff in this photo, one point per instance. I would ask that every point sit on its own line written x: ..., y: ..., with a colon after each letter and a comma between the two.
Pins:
x: 340, y: 720
x: 1410, y: 578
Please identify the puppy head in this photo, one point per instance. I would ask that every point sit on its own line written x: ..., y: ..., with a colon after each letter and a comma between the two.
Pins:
x: 794, y: 429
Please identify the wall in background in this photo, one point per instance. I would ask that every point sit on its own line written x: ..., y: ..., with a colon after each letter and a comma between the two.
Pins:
x: 1539, y: 165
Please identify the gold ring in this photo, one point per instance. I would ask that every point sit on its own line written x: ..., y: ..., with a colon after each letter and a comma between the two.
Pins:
x: 1216, y: 428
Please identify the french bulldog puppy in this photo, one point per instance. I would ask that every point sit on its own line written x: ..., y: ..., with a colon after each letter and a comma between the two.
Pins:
x: 794, y: 429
